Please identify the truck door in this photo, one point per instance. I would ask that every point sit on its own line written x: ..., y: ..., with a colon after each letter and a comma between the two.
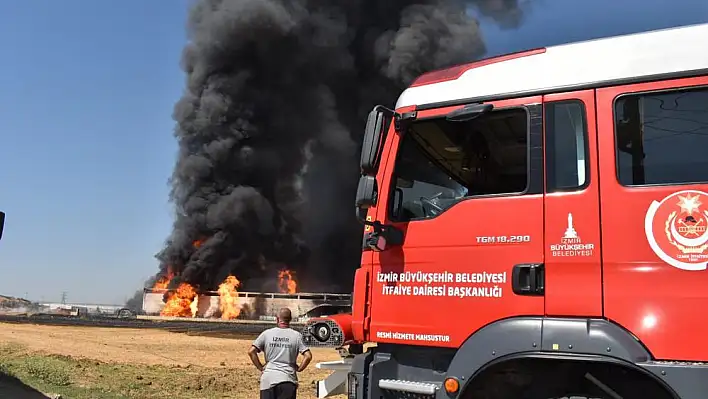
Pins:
x: 468, y: 196
x: 653, y: 141
x: 573, y: 257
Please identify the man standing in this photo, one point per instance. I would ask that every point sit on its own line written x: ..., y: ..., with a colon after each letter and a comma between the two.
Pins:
x: 281, y: 346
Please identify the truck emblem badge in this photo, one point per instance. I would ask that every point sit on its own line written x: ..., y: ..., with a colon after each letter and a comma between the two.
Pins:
x: 676, y: 229
x: 570, y: 233
x: 571, y: 244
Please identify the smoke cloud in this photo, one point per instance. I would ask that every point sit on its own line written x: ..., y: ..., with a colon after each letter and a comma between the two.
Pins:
x: 270, y: 123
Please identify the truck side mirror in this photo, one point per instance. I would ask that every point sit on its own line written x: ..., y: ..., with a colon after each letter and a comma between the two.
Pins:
x: 374, y: 135
x: 2, y: 222
x: 377, y: 242
x: 366, y: 193
x: 382, y: 236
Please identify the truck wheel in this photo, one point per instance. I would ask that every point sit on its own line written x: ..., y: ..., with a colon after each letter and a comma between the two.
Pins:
x: 530, y: 378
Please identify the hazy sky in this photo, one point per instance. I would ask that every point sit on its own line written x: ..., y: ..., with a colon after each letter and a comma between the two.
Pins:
x: 86, y: 96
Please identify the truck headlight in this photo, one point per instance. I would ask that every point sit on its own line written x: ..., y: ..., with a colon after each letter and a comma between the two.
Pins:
x: 322, y: 332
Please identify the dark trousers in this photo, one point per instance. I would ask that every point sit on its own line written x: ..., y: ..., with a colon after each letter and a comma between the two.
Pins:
x: 283, y: 390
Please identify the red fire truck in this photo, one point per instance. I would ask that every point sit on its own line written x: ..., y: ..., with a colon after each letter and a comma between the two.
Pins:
x: 535, y: 227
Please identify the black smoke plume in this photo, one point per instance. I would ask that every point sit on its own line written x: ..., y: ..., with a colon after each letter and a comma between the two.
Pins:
x: 270, y: 122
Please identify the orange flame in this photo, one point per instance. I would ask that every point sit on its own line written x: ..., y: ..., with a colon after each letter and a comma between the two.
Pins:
x: 197, y: 243
x: 228, y: 298
x: 286, y: 282
x: 164, y: 281
x: 182, y: 302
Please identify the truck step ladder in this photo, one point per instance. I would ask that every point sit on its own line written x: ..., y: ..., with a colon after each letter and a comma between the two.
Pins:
x: 335, y: 383
x: 425, y: 389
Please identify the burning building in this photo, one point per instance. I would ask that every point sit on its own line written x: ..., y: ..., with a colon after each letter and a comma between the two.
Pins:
x: 249, y: 305
x: 228, y: 303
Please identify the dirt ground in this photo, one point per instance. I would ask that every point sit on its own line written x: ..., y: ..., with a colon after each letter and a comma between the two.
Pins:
x: 133, y: 363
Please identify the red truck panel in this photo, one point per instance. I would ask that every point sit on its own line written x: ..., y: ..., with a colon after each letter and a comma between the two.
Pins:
x: 663, y: 305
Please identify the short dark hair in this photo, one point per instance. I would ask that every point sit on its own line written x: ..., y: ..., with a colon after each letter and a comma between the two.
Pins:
x: 284, y: 315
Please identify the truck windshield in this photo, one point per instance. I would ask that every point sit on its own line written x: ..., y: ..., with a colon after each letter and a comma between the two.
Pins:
x: 441, y: 162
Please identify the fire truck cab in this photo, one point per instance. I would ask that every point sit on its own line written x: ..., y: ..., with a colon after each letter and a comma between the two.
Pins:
x: 535, y: 227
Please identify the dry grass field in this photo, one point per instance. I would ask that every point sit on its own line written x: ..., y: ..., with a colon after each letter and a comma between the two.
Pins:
x: 84, y: 362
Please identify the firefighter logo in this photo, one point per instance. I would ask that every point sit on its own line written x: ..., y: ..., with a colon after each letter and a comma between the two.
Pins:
x: 676, y: 229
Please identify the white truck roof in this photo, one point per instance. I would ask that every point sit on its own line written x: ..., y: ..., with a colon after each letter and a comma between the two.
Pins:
x: 568, y: 66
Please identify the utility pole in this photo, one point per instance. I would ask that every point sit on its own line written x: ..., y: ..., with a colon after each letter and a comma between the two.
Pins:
x: 63, y: 298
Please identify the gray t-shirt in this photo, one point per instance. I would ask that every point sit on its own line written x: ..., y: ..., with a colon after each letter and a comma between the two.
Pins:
x: 281, y: 347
